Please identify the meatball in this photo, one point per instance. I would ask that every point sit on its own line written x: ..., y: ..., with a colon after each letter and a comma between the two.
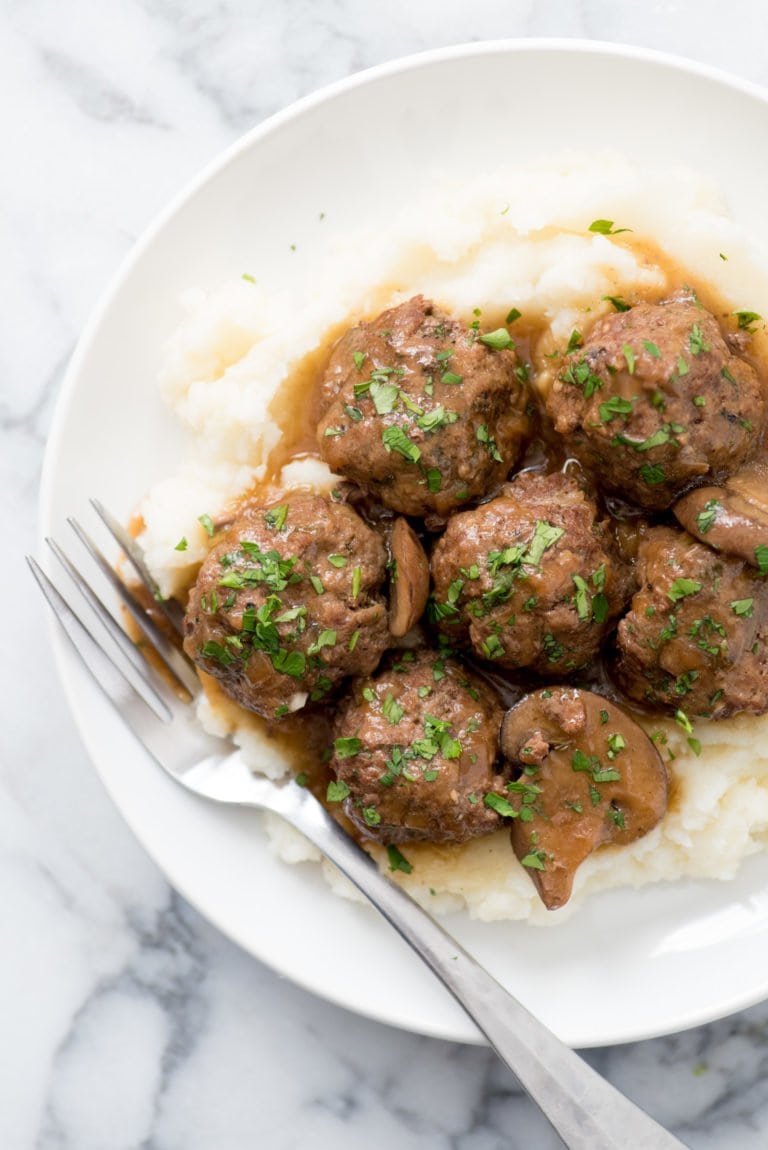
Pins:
x: 415, y: 752
x: 695, y: 637
x: 288, y: 603
x: 422, y: 411
x: 532, y: 578
x: 655, y: 402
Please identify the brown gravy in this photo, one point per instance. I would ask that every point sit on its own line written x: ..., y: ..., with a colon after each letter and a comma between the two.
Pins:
x: 306, y: 736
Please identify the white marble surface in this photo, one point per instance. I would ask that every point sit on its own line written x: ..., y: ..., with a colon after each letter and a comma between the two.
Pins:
x: 128, y: 1022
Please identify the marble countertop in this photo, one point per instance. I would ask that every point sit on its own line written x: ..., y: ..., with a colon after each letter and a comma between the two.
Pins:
x: 128, y: 1021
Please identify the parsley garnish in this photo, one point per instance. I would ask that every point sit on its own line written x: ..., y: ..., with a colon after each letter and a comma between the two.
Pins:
x: 499, y: 804
x: 499, y: 340
x: 395, y: 439
x: 336, y: 792
x: 347, y: 748
x: 397, y: 860
x: 681, y: 588
x: 207, y: 524
x: 182, y: 544
x: 747, y: 320
x: 606, y: 228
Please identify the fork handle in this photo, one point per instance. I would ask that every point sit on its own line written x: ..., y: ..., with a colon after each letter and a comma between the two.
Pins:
x: 585, y: 1110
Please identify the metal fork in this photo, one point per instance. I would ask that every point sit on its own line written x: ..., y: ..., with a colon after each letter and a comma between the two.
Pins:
x: 585, y: 1110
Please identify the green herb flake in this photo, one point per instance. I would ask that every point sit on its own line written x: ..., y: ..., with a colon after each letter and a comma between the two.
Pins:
x: 618, y: 303
x: 182, y: 544
x: 695, y: 745
x: 512, y: 315
x: 324, y: 639
x: 397, y: 860
x: 359, y: 358
x: 706, y: 518
x: 395, y: 439
x: 291, y: 663
x: 581, y: 598
x: 604, y: 716
x: 338, y: 560
x: 207, y: 524
x: 499, y: 804
x: 357, y: 575
x: 652, y: 474
x: 761, y: 556
x: 743, y: 607
x: 652, y: 348
x: 317, y: 584
x: 747, y: 320
x: 434, y: 479
x: 615, y: 406
x: 347, y: 748
x: 545, y: 536
x: 697, y: 342
x: 629, y: 356
x: 606, y: 228
x: 275, y: 519
x: 336, y: 792
x: 535, y: 860
x: 681, y: 588
x: 499, y: 340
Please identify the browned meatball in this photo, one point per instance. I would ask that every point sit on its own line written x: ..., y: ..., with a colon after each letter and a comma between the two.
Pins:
x: 415, y: 752
x: 532, y: 579
x: 695, y: 637
x: 288, y: 603
x: 655, y: 402
x: 422, y: 411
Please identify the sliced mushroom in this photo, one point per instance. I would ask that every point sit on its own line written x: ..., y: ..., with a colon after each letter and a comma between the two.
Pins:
x: 590, y: 776
x: 410, y: 579
x: 732, y: 518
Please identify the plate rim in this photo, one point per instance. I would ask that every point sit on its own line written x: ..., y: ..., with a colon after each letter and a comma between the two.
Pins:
x: 61, y: 647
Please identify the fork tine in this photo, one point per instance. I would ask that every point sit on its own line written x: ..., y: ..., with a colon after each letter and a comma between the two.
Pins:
x: 104, y: 670
x: 171, y: 656
x: 131, y: 651
x: 169, y: 607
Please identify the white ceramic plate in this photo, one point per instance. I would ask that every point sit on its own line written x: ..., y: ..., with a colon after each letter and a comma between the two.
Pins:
x: 631, y: 964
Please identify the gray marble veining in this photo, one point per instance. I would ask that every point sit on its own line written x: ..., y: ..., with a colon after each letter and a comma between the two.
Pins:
x: 128, y: 1022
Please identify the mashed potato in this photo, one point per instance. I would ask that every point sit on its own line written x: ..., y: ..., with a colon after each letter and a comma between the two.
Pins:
x: 519, y: 240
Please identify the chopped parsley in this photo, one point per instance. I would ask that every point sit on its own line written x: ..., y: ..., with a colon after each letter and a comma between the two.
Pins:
x: 182, y: 544
x: 606, y: 228
x: 395, y: 439
x: 681, y: 588
x: 743, y: 607
x: 747, y: 320
x: 207, y: 524
x: 499, y: 804
x: 652, y: 474
x: 347, y: 748
x: 499, y: 340
x: 697, y: 342
x: 706, y: 518
x: 276, y: 517
x: 397, y: 860
x: 618, y: 303
x: 336, y: 792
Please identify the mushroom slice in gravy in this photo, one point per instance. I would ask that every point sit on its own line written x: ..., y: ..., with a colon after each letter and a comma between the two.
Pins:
x: 409, y: 584
x: 589, y: 776
x: 732, y: 518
